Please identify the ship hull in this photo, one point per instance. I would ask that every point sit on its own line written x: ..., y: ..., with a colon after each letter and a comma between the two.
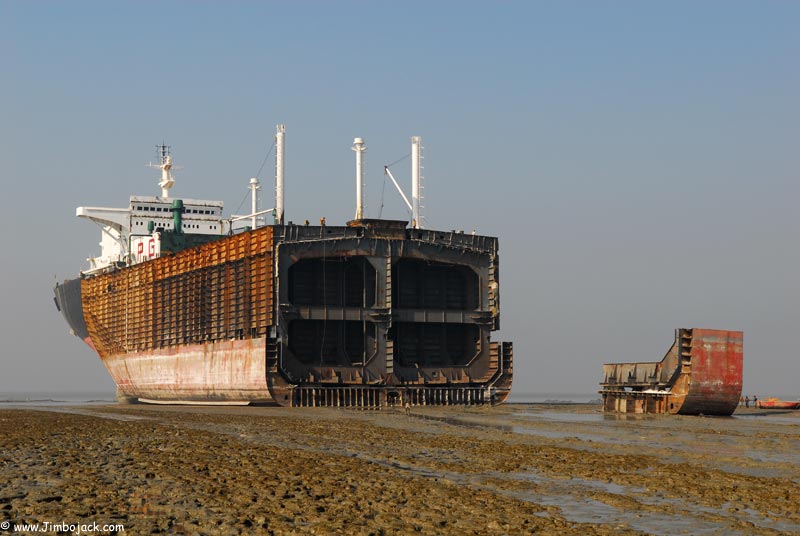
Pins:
x: 369, y: 315
x: 225, y: 372
x: 68, y: 302
x: 231, y: 372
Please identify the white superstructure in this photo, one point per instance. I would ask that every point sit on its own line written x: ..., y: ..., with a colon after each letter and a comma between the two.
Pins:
x: 129, y: 234
x: 121, y: 227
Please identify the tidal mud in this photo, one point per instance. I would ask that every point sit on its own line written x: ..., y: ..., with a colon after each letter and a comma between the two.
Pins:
x: 514, y: 469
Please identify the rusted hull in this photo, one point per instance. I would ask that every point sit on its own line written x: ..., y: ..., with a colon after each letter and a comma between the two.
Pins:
x: 715, y: 375
x: 224, y: 372
x: 700, y: 374
x: 368, y: 315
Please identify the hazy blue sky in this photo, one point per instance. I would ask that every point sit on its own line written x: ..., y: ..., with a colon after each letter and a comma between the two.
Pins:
x: 639, y: 161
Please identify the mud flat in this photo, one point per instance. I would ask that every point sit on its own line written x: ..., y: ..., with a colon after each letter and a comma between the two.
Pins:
x: 516, y: 469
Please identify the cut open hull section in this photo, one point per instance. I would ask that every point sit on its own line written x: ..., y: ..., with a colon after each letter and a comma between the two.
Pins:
x: 700, y: 374
x: 371, y: 314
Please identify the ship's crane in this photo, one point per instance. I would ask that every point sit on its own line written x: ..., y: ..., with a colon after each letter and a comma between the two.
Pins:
x: 414, y: 208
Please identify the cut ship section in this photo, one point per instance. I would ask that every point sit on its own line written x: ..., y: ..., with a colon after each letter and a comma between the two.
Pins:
x: 700, y: 374
x: 376, y: 314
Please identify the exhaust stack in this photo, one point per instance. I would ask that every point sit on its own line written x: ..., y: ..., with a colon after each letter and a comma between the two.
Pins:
x: 359, y: 147
x: 254, y: 187
x: 415, y: 176
x: 281, y: 132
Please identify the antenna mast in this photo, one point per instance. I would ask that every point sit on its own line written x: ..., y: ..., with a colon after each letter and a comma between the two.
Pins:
x: 165, y: 165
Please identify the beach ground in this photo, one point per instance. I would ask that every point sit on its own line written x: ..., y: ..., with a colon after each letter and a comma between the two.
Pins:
x: 513, y: 469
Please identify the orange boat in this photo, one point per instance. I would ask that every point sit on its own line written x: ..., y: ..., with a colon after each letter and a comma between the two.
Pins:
x: 774, y: 403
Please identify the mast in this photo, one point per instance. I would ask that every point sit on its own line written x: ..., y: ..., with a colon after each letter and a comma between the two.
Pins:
x: 254, y: 187
x: 359, y: 148
x: 165, y: 165
x: 415, y: 176
x: 279, y: 168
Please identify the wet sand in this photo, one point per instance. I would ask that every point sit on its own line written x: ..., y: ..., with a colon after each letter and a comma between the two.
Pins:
x: 515, y: 469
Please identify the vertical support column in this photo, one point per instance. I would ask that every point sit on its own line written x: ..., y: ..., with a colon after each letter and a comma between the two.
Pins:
x: 383, y: 364
x: 254, y: 188
x: 359, y: 148
x: 415, y: 187
x: 279, y: 168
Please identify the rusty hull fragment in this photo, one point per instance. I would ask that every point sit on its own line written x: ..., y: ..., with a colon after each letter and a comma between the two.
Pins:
x: 700, y: 374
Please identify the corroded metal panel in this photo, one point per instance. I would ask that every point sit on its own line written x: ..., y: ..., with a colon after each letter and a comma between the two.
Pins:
x: 218, y: 291
x: 716, y: 373
x: 505, y: 374
x: 225, y: 371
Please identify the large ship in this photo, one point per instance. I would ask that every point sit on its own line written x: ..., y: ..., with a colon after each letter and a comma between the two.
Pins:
x: 184, y: 305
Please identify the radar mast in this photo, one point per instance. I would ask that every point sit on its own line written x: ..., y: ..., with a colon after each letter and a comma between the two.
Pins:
x: 164, y: 154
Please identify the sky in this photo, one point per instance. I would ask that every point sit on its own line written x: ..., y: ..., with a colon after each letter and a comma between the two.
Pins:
x: 637, y: 160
